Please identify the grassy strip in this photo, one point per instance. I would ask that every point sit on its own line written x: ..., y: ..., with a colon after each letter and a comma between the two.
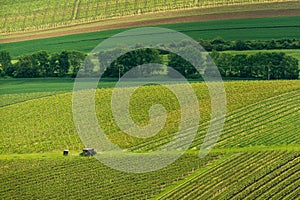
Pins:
x: 227, y: 151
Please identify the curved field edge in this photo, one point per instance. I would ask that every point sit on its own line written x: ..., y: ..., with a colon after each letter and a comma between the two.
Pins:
x: 167, y: 17
x: 10, y: 99
x: 245, y: 175
x: 47, y: 124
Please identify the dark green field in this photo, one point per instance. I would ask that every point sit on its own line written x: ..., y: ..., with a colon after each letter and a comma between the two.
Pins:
x: 243, y: 29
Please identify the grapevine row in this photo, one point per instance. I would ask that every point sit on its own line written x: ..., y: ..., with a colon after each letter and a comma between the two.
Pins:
x: 42, y: 14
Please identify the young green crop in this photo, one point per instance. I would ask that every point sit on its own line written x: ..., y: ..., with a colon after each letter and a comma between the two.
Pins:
x: 75, y: 177
x: 46, y: 124
x: 242, y: 176
x: 257, y: 155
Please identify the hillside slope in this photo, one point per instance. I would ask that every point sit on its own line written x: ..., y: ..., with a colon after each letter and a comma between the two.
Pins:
x: 26, y: 27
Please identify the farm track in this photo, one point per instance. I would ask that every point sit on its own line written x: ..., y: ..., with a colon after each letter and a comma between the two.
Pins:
x: 140, y: 21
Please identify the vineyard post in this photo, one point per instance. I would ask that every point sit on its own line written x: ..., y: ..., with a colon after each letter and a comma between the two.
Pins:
x: 53, y: 16
x: 106, y: 7
x: 77, y: 16
x: 96, y: 11
x: 87, y: 10
x: 64, y: 11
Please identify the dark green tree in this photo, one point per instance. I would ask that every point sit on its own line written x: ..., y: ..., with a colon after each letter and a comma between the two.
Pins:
x: 133, y: 59
x: 63, y: 63
x: 5, y: 62
x: 43, y: 65
x: 53, y: 64
x: 26, y: 67
x: 75, y: 59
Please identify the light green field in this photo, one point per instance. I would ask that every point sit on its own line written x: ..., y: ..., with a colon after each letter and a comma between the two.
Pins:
x: 46, y: 124
x: 35, y: 15
x: 256, y: 157
x: 257, y: 154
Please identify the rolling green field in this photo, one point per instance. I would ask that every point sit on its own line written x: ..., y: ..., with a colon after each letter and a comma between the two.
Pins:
x: 257, y: 155
x: 51, y: 117
x: 240, y: 29
x: 34, y: 15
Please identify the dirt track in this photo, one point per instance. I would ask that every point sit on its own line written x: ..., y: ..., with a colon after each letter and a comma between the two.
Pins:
x: 140, y: 21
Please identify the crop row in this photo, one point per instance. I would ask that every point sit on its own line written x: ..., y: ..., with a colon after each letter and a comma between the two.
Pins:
x: 75, y: 177
x: 241, y: 175
x: 9, y: 99
x: 41, y: 14
x: 46, y: 124
x: 269, y: 122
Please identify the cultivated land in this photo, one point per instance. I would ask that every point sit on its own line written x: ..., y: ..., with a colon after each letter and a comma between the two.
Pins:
x: 238, y: 29
x: 235, y: 10
x: 261, y: 127
x: 256, y: 157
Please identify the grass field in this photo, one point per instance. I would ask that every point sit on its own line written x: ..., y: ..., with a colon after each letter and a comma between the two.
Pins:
x: 244, y: 29
x: 34, y: 15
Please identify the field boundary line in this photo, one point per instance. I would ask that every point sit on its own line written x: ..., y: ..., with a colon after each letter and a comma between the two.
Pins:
x: 257, y: 149
x: 193, y: 176
x: 37, y: 98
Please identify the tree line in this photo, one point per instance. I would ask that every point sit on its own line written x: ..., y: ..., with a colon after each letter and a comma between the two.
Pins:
x: 41, y: 64
x: 219, y: 44
x: 262, y: 65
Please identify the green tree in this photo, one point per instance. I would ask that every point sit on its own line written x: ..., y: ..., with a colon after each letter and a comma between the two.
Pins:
x: 87, y: 67
x: 133, y: 59
x: 240, y: 45
x: 5, y: 62
x: 241, y: 66
x: 291, y: 67
x: 26, y: 67
x: 53, y: 64
x: 75, y: 59
x: 63, y: 63
x: 42, y: 60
